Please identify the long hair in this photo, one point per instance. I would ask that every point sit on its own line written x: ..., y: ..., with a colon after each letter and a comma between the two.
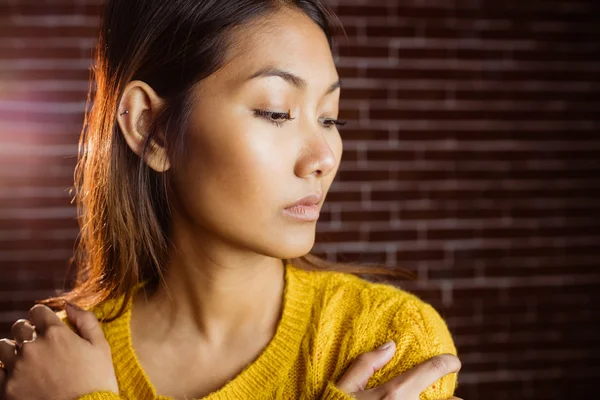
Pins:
x: 123, y: 208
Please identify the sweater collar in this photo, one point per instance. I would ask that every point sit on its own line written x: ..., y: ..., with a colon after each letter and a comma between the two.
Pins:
x: 263, y: 374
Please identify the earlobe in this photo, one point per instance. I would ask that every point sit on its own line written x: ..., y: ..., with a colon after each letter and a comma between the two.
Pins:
x: 156, y: 157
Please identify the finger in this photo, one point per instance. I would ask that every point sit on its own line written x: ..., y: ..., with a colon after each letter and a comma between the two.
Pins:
x: 22, y: 330
x: 2, y: 380
x: 8, y: 353
x: 42, y: 316
x: 362, y: 368
x: 87, y: 324
x: 420, y: 377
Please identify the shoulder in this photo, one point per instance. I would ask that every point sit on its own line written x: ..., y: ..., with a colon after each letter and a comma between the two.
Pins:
x: 346, y: 295
x: 420, y: 333
x: 357, y: 316
x: 104, y: 309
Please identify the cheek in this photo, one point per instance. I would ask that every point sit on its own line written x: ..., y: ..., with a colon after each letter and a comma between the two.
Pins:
x: 337, y: 148
x: 234, y: 174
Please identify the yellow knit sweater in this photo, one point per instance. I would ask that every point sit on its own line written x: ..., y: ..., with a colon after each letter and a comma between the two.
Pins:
x: 328, y: 319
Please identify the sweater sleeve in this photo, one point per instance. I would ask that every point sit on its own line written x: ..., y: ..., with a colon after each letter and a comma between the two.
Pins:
x: 332, y: 392
x: 101, y: 395
x: 436, y: 339
x: 420, y: 333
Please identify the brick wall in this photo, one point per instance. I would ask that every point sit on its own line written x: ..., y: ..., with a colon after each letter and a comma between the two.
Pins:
x: 472, y: 157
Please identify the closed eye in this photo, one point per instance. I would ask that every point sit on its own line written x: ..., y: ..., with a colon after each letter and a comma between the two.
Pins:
x: 274, y: 117
x: 331, y: 122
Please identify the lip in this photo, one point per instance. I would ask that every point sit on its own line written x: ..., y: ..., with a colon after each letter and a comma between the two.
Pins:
x: 310, y: 200
x: 305, y: 209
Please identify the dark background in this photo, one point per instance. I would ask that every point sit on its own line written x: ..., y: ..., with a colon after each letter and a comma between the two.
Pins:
x: 471, y: 157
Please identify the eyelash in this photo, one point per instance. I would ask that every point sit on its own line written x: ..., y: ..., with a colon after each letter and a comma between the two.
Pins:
x: 267, y: 114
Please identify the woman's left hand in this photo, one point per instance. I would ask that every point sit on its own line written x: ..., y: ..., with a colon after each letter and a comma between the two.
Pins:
x: 57, y: 364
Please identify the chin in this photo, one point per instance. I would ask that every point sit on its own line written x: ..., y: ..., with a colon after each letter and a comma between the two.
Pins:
x: 293, y: 245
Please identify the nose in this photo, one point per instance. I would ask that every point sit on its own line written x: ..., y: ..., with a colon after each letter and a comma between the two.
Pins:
x: 317, y: 155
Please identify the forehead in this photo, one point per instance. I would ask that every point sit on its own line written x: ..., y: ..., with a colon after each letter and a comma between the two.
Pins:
x: 288, y: 40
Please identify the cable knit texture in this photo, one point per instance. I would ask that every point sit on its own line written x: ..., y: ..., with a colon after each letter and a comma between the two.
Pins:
x: 328, y: 319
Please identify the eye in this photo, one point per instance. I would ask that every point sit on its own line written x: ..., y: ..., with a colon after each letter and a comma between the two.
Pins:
x: 331, y: 122
x: 273, y: 116
x: 277, y: 118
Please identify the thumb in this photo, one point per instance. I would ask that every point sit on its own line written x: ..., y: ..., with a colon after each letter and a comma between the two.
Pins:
x: 362, y: 368
x: 86, y: 322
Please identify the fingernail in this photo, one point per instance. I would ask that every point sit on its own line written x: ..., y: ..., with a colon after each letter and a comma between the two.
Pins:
x: 386, y: 345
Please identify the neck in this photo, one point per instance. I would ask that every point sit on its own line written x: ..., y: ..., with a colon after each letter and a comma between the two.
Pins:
x: 213, y: 297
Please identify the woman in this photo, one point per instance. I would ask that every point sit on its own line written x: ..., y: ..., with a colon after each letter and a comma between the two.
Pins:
x: 204, y: 160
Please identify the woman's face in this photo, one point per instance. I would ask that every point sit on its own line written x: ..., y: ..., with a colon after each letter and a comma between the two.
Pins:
x: 243, y: 169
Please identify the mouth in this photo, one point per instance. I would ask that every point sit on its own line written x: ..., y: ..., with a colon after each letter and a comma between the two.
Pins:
x: 303, y: 212
x: 305, y: 209
x: 311, y: 199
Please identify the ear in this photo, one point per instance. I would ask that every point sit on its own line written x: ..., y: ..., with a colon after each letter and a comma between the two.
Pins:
x: 142, y: 105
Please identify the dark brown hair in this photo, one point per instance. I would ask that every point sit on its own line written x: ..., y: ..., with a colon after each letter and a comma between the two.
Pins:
x: 123, y: 206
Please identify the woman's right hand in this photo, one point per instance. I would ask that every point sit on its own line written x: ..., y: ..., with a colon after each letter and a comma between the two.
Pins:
x: 406, y: 386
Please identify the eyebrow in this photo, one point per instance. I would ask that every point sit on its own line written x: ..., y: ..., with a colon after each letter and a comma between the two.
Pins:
x: 289, y: 77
